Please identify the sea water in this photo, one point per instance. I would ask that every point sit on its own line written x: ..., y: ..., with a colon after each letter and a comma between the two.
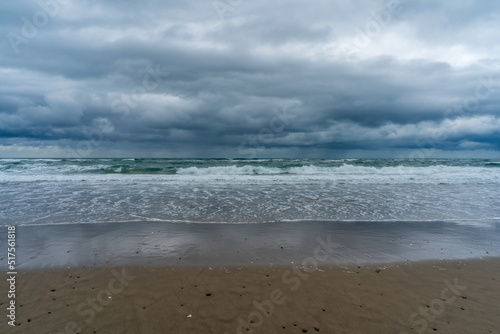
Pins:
x: 78, y: 191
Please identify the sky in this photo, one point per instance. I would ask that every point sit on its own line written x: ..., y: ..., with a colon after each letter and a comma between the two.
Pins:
x: 241, y: 78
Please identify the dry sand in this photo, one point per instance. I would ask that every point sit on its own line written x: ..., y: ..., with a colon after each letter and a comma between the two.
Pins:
x: 452, y: 296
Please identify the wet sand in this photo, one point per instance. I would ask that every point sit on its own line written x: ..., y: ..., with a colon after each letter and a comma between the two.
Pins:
x: 459, y: 296
x: 185, y: 244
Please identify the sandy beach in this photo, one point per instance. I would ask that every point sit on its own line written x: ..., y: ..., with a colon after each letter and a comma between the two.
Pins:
x: 459, y: 296
x: 255, y: 278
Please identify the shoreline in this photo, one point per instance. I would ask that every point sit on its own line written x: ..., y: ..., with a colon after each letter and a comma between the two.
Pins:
x: 448, y: 296
x: 283, y: 243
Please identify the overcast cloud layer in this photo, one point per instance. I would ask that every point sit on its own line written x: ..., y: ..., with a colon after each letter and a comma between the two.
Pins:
x: 328, y: 78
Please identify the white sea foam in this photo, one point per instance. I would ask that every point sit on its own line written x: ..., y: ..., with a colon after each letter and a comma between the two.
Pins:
x: 100, y: 172
x: 313, y: 170
x: 229, y: 170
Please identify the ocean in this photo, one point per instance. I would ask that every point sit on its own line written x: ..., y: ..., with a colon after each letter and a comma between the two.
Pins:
x: 248, y: 191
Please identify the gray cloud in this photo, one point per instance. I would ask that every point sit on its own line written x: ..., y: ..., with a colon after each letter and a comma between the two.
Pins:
x: 174, y: 79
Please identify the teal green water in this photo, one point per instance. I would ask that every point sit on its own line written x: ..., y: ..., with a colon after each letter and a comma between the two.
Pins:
x: 239, y: 166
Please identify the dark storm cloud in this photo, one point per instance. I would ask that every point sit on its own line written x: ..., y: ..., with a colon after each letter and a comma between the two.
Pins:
x: 182, y: 78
